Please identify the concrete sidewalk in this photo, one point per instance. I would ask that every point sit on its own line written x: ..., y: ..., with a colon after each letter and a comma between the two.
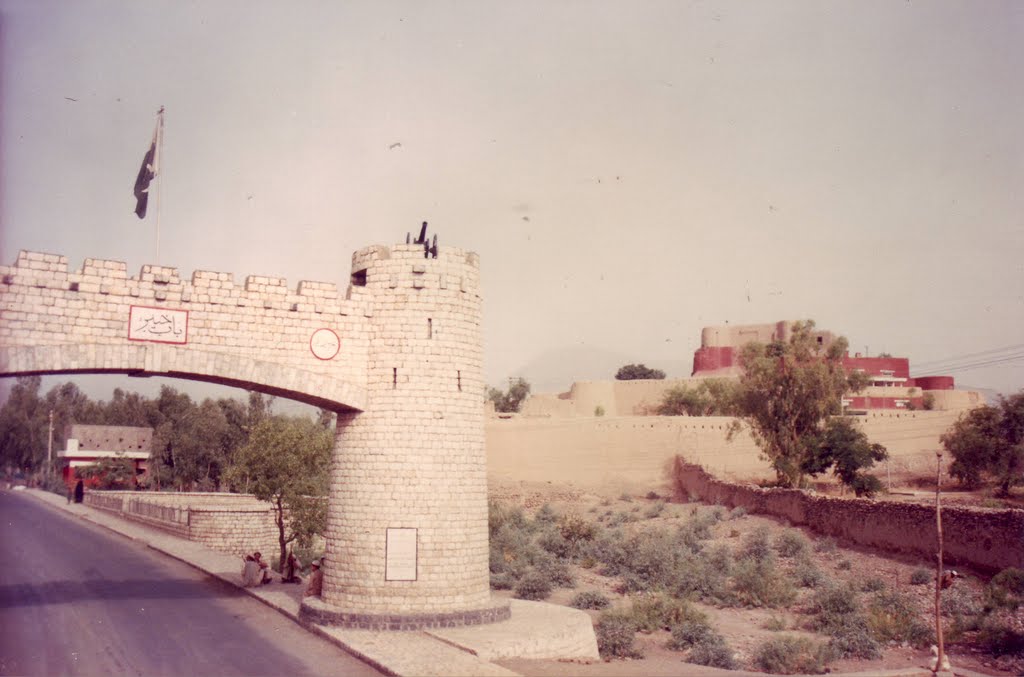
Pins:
x: 535, y: 630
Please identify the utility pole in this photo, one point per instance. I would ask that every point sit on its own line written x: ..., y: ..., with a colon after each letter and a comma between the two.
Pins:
x: 938, y: 568
x: 49, y: 449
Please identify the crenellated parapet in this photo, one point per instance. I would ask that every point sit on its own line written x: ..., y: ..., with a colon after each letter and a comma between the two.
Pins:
x: 164, y: 284
x: 398, y: 354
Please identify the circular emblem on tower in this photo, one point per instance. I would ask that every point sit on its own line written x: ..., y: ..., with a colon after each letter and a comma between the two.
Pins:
x: 325, y: 344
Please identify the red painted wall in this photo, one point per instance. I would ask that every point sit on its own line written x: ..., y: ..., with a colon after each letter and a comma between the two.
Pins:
x: 933, y: 382
x: 710, y: 359
x: 873, y: 366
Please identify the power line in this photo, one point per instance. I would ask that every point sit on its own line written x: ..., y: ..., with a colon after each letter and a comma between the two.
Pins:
x: 959, y: 358
x: 966, y: 366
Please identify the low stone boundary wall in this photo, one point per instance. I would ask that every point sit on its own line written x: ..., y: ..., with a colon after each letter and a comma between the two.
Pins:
x: 989, y: 540
x: 233, y: 523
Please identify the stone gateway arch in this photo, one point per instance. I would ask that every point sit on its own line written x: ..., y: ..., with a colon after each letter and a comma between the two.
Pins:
x: 398, y: 356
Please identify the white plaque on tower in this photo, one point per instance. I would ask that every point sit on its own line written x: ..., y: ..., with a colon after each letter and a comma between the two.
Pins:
x: 400, y: 555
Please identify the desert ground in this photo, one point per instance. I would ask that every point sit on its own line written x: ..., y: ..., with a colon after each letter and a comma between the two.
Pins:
x: 744, y: 625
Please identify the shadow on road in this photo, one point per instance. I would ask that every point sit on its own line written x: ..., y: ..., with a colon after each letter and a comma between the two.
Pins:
x: 66, y: 592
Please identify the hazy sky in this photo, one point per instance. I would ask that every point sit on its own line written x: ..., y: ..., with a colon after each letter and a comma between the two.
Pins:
x: 629, y: 172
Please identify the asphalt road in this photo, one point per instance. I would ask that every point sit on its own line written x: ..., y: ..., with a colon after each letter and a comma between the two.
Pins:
x: 76, y: 599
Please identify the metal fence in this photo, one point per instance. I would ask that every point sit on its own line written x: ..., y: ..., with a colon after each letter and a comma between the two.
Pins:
x: 160, y: 513
x: 112, y: 503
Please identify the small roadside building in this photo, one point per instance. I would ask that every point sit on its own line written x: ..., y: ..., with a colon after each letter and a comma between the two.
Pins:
x: 89, y: 444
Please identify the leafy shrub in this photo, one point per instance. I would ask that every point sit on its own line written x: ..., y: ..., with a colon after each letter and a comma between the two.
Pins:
x: 555, y: 570
x: 659, y: 611
x: 499, y: 515
x: 589, y: 599
x: 788, y: 655
x: 830, y: 603
x: 775, y: 623
x: 652, y: 496
x: 647, y: 560
x: 825, y: 545
x: 552, y: 541
x: 706, y: 577
x: 655, y: 510
x: 853, y: 639
x: 512, y: 550
x: 760, y: 583
x: 757, y: 546
x: 920, y: 576
x: 807, y: 575
x: 737, y: 512
x: 687, y: 634
x: 960, y: 601
x: 616, y: 632
x: 502, y: 581
x: 1000, y: 638
x: 546, y: 514
x: 844, y: 565
x: 892, y: 617
x: 706, y: 646
x: 837, y: 613
x: 792, y: 543
x: 1005, y: 590
x: 621, y: 518
x: 533, y: 585
x: 872, y: 584
x: 714, y: 652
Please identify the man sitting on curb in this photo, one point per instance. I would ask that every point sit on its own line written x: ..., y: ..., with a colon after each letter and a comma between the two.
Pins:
x: 254, y: 571
x: 316, y: 580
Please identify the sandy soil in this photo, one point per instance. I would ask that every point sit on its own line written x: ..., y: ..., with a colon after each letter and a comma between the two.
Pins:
x: 743, y: 628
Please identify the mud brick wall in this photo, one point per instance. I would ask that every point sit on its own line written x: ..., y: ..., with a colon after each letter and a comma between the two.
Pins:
x: 989, y: 540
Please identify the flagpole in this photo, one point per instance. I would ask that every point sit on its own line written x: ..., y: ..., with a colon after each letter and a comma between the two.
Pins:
x: 159, y: 176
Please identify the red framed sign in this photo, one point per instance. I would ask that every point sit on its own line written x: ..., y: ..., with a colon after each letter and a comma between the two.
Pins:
x: 158, y: 325
x: 324, y: 344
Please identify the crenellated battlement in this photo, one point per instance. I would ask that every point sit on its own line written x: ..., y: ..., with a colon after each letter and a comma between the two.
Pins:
x: 376, y: 266
x: 50, y: 270
x: 398, y: 354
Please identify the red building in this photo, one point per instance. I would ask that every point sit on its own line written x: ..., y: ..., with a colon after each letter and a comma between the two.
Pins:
x: 89, y: 444
x: 890, y: 385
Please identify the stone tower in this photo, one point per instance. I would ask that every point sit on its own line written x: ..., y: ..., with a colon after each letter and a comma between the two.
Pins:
x: 407, y: 541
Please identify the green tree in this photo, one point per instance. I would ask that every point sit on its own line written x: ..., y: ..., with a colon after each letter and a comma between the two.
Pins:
x: 786, y: 394
x: 286, y: 462
x: 129, y: 409
x: 989, y: 442
x: 200, y: 440
x: 110, y: 473
x: 847, y: 450
x: 511, y: 399
x: 710, y: 397
x: 24, y: 425
x: 632, y: 372
x: 171, y: 407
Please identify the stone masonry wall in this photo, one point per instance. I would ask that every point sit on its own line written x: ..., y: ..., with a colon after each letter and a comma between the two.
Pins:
x: 415, y: 458
x: 255, y: 334
x: 407, y: 383
x: 233, y: 523
x: 989, y: 540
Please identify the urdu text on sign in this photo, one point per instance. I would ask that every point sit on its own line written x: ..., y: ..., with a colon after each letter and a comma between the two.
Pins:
x: 162, y: 325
